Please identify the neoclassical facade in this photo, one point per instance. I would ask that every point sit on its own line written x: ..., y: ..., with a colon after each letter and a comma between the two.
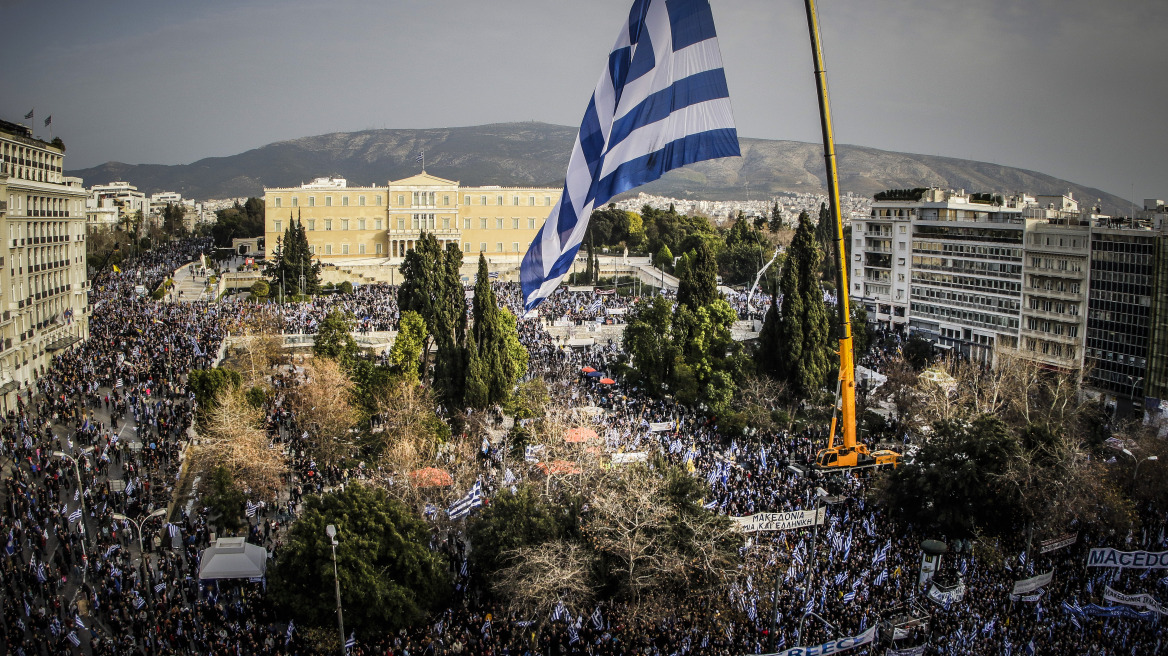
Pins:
x: 351, y: 224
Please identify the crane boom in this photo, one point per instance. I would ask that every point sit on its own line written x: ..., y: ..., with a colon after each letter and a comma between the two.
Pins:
x: 849, y: 454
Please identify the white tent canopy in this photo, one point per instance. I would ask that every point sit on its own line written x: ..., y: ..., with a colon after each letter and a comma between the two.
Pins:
x: 233, y: 558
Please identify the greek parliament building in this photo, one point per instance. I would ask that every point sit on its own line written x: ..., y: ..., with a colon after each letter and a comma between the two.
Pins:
x: 44, y: 294
x: 370, y: 229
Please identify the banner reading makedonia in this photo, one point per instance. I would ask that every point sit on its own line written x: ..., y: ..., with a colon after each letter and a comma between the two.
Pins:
x: 1105, y: 557
x: 783, y: 521
x: 1141, y: 600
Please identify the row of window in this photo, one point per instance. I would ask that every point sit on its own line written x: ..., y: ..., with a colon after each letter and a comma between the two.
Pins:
x: 327, y: 249
x: 1057, y: 307
x: 1056, y: 264
x: 328, y: 201
x: 416, y: 222
x: 996, y: 303
x: 972, y: 266
x: 1055, y: 285
x: 418, y: 198
x: 1052, y: 327
x: 965, y: 316
x: 1050, y: 348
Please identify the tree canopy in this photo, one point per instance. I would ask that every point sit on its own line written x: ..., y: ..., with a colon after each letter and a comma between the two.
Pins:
x: 292, y: 259
x: 389, y: 576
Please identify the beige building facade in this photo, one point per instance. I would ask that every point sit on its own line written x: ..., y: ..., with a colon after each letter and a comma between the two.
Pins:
x: 44, y: 293
x: 379, y: 225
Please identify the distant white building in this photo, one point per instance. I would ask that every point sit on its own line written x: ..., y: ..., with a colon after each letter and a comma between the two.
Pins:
x: 122, y: 195
x: 326, y: 183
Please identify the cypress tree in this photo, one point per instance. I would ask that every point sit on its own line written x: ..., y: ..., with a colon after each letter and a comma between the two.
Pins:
x: 698, y: 283
x: 812, y: 365
x: 770, y: 340
x: 789, y: 341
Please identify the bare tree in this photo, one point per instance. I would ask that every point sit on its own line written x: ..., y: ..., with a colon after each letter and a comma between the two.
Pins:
x: 231, y: 437
x: 539, y: 577
x: 323, y: 407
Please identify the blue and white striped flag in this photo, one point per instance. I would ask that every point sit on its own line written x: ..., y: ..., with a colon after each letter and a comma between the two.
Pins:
x: 72, y: 637
x: 559, y: 613
x: 351, y: 642
x: 662, y: 102
x: 850, y: 597
x: 288, y: 634
x: 463, y: 506
x: 810, y: 607
x: 75, y: 515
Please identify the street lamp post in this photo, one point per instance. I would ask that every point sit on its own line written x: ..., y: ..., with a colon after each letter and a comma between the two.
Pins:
x: 138, y: 523
x: 821, y: 499
x: 1136, y: 471
x: 81, y: 497
x: 332, y: 533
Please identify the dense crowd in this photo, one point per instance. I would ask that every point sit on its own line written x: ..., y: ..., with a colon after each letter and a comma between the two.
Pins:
x: 75, y: 580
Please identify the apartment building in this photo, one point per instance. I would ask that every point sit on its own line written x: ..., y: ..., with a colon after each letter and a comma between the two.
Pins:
x: 44, y: 295
x: 1055, y: 283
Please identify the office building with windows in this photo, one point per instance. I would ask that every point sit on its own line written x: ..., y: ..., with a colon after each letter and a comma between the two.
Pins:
x: 349, y: 225
x: 44, y: 294
x: 1127, y: 340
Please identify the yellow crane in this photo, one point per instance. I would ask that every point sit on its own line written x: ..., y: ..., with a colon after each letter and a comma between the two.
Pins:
x: 850, y: 454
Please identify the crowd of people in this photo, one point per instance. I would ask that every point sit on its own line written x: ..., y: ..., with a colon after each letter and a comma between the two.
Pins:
x: 93, y: 448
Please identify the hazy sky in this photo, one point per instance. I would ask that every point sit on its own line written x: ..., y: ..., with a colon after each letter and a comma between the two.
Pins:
x: 1074, y: 88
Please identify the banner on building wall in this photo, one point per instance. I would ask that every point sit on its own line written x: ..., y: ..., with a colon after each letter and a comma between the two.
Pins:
x: 782, y: 521
x: 1107, y: 557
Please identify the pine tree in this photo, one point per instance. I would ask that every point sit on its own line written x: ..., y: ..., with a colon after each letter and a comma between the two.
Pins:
x: 292, y: 260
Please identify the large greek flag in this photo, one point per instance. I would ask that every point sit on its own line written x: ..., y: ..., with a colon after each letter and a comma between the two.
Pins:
x: 661, y: 103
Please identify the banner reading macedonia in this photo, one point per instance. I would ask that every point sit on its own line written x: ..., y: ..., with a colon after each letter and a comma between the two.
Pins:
x: 1139, y: 600
x: 833, y: 647
x: 783, y: 521
x: 1106, y: 557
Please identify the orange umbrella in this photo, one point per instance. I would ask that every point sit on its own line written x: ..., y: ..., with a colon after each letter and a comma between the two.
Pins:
x: 577, y: 435
x: 587, y: 370
x: 559, y: 468
x: 430, y: 477
x: 607, y: 381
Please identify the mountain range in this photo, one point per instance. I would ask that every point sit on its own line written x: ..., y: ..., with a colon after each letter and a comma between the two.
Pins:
x: 518, y: 154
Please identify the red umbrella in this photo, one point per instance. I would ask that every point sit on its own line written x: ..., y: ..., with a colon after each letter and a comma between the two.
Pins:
x: 430, y: 477
x: 587, y: 370
x: 607, y: 381
x: 577, y: 435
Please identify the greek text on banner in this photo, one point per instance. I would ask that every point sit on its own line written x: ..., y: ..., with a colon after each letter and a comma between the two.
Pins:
x: 1032, y: 584
x: 1105, y: 557
x: 833, y: 647
x: 1141, y: 600
x: 781, y: 521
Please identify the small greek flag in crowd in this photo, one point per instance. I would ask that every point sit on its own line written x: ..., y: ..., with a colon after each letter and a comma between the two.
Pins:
x: 159, y: 588
x: 964, y: 566
x: 810, y: 607
x: 139, y: 602
x: 76, y: 494
x: 195, y: 345
x: 352, y: 641
x: 850, y: 597
x: 288, y: 633
x: 597, y: 619
x: 559, y: 613
x: 75, y: 515
x: 463, y: 506
x: 109, y: 552
x: 1022, y: 559
x: 77, y: 622
x: 172, y: 529
x: 251, y: 509
x: 662, y: 102
x: 41, y: 573
x: 129, y: 488
x: 881, y: 578
x: 752, y: 612
x: 492, y: 275
x: 573, y: 637
x: 118, y: 384
x: 881, y: 554
x: 486, y: 628
x: 72, y: 637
